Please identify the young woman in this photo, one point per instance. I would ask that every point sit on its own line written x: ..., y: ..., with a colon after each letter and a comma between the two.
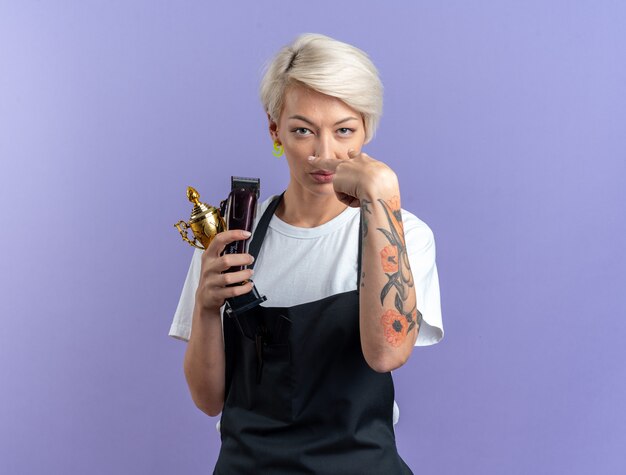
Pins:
x: 304, y: 385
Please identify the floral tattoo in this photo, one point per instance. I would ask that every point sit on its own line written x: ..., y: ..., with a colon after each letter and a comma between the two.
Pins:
x: 394, y: 259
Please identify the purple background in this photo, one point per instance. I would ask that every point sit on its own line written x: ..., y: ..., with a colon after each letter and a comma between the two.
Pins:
x: 505, y: 122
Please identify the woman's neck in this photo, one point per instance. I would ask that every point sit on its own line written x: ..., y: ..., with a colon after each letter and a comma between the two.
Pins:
x: 307, y: 210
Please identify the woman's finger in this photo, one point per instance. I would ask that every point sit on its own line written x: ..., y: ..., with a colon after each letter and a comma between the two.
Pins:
x: 230, y: 278
x: 233, y: 260
x: 234, y: 291
x: 221, y: 240
x: 329, y: 164
x: 353, y: 153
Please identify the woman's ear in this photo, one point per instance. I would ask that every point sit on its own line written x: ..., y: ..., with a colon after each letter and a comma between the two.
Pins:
x: 273, y: 127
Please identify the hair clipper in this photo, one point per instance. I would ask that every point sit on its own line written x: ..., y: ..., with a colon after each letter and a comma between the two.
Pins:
x: 239, y: 211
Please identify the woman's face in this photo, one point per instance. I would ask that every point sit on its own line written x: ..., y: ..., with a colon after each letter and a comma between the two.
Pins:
x: 312, y: 123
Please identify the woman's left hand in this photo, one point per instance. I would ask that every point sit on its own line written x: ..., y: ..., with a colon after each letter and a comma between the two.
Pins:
x: 359, y: 177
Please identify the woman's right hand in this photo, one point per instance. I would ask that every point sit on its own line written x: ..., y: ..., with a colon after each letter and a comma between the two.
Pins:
x: 212, y: 288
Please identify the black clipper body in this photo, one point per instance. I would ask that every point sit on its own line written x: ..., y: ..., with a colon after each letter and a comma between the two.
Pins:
x: 239, y: 211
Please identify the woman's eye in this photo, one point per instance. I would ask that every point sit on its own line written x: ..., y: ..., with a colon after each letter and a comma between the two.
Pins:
x: 302, y: 131
x: 345, y: 131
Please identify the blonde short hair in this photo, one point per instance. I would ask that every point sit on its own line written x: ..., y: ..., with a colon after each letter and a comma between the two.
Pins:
x: 328, y: 66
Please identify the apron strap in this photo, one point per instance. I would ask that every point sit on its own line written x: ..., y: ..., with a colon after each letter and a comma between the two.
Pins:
x: 261, y: 229
x: 358, y: 270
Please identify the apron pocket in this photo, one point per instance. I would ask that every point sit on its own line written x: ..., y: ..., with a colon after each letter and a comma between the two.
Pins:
x: 263, y: 380
x: 266, y: 385
x: 274, y: 382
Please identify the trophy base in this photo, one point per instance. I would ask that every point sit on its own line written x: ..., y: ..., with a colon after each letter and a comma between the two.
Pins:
x: 243, y: 303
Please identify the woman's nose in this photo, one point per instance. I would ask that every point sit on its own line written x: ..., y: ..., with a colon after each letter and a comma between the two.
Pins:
x: 327, y: 148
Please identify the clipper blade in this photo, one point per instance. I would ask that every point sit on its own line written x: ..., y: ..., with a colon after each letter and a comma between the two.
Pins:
x: 247, y: 184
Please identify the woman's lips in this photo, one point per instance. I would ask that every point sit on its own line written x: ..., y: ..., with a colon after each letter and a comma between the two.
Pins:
x: 323, y: 176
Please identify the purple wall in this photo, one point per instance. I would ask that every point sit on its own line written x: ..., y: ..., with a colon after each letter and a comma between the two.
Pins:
x: 505, y: 122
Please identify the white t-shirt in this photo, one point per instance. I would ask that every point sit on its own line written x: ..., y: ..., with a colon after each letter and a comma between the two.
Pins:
x: 298, y: 265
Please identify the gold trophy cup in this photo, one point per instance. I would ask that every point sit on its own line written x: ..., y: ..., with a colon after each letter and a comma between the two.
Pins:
x: 205, y: 222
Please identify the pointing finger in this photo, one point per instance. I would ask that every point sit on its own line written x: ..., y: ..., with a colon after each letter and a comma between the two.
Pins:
x: 329, y: 164
x: 353, y: 153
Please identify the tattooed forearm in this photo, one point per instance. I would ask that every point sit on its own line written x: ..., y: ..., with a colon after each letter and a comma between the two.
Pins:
x: 389, y: 319
x: 404, y: 317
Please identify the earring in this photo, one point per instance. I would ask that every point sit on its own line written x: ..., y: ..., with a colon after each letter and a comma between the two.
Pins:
x: 279, y: 150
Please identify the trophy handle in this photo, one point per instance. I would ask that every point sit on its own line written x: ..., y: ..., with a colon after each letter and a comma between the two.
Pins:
x: 182, y: 227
